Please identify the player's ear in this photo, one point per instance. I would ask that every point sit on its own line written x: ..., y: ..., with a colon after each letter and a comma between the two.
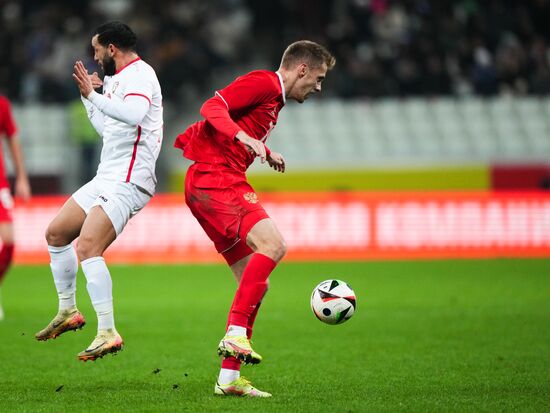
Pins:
x: 112, y: 49
x: 302, y: 69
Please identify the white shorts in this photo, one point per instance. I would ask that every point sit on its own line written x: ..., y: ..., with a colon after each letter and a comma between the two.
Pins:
x: 120, y: 200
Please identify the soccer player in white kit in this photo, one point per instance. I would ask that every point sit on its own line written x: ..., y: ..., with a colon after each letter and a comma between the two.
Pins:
x: 128, y: 116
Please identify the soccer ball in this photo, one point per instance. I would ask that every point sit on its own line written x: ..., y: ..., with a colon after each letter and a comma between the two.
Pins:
x: 333, y: 301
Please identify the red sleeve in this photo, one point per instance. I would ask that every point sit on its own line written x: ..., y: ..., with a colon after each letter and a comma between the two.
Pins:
x: 8, y: 123
x: 245, y: 92
x: 216, y: 113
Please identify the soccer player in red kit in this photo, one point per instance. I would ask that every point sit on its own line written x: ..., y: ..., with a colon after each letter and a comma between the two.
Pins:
x: 238, y: 120
x: 22, y: 187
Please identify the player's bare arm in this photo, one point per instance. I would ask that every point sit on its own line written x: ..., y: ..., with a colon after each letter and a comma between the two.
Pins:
x: 22, y: 186
x: 276, y: 161
x: 253, y: 145
x: 82, y: 79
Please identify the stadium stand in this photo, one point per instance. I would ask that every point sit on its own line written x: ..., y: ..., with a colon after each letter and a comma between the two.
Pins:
x: 337, y: 134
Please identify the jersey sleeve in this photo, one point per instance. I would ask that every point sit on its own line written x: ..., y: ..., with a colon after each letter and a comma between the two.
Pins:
x: 95, y: 116
x: 8, y: 126
x: 130, y: 111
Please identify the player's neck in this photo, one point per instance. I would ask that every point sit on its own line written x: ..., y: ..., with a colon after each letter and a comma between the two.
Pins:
x: 288, y: 80
x: 125, y: 59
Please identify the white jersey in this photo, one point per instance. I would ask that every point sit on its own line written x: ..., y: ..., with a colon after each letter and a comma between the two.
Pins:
x: 130, y: 152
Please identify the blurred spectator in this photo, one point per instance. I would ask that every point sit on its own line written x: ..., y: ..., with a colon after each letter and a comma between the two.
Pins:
x: 484, y: 74
x: 384, y: 47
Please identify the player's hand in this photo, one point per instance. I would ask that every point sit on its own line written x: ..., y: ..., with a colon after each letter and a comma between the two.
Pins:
x: 276, y: 161
x: 82, y: 79
x: 96, y: 80
x: 253, y: 146
x: 23, y: 188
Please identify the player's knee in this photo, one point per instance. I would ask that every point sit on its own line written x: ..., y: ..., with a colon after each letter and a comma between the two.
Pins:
x: 85, y: 248
x: 282, y: 248
x: 54, y: 237
x: 271, y: 244
x: 278, y: 249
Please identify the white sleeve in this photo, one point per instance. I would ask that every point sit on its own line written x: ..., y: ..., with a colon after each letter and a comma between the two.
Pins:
x: 131, y: 110
x: 95, y: 116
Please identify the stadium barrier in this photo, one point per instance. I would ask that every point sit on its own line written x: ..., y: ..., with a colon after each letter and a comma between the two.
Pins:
x: 329, y: 226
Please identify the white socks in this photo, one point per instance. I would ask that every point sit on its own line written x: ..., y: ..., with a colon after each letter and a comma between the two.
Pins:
x: 236, y: 331
x: 100, y: 288
x: 64, y: 265
x: 227, y: 376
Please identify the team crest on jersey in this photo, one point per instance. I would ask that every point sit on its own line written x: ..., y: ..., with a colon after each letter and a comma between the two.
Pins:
x: 251, y: 198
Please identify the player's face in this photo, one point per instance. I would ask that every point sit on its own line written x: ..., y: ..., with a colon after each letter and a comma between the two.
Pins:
x: 309, y: 82
x: 102, y: 55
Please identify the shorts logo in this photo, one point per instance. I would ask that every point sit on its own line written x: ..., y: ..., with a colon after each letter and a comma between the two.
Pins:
x: 103, y: 198
x: 251, y: 197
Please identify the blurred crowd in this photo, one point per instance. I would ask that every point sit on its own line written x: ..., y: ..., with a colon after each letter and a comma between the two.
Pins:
x: 383, y: 47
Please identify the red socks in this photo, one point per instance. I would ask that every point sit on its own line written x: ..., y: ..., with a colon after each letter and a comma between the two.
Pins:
x: 248, y: 298
x: 231, y: 363
x: 6, y: 255
x: 251, y: 289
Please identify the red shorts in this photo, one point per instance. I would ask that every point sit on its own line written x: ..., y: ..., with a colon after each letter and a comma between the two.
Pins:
x: 225, y: 205
x: 6, y: 205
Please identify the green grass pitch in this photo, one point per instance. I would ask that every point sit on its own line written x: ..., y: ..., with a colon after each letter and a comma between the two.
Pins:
x: 427, y: 336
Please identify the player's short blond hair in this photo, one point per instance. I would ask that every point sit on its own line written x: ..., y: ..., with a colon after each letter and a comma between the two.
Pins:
x: 306, y: 51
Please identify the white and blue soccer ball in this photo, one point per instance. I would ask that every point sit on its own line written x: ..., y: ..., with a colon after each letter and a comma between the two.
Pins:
x: 333, y: 301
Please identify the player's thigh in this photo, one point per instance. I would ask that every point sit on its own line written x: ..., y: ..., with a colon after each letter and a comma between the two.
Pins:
x: 96, y: 235
x: 265, y: 237
x: 215, y: 217
x: 121, y: 202
x: 115, y: 205
x: 263, y: 232
x: 66, y: 225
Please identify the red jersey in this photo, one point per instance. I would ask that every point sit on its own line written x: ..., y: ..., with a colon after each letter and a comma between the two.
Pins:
x: 251, y: 103
x: 8, y: 129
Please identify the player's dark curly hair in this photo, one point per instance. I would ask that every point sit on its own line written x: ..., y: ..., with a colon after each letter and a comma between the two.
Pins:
x: 306, y: 51
x: 117, y: 34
